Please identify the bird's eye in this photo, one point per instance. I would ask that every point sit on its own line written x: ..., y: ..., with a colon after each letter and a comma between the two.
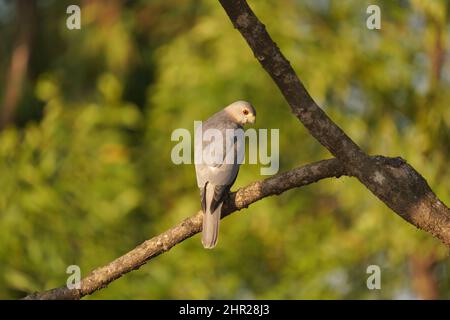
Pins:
x: 245, y: 112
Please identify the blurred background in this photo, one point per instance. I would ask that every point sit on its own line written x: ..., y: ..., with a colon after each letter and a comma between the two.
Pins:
x: 85, y: 123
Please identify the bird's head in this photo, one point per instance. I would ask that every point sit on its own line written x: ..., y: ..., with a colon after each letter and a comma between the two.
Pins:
x: 242, y: 112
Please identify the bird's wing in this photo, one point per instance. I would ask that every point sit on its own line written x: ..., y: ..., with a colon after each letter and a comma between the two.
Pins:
x: 221, y: 176
x: 223, y: 173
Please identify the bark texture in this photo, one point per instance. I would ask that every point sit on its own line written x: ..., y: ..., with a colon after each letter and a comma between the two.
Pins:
x: 393, y: 181
x: 132, y: 260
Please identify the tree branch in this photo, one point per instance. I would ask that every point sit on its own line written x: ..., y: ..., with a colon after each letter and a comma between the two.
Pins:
x: 394, y: 182
x: 101, y: 277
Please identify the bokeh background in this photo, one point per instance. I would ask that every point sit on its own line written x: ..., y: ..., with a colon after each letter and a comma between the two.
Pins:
x: 86, y: 118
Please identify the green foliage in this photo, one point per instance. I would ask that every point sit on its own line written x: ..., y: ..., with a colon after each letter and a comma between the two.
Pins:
x: 86, y: 173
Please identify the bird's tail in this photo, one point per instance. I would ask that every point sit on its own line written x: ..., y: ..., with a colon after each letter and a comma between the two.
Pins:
x: 211, y: 220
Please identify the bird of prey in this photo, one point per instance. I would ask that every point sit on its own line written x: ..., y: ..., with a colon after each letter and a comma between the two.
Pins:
x: 215, y: 178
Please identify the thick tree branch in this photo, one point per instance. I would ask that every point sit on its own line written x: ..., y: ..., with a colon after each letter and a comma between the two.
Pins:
x: 392, y: 180
x: 101, y: 277
x: 396, y: 183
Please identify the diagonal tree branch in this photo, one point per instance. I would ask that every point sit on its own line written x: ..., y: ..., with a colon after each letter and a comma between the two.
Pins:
x: 393, y: 181
x: 101, y: 277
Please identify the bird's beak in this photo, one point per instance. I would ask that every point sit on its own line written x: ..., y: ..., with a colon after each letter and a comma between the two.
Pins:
x: 252, y: 119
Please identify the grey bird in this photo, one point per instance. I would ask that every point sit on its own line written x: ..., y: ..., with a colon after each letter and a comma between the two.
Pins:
x: 215, y: 179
